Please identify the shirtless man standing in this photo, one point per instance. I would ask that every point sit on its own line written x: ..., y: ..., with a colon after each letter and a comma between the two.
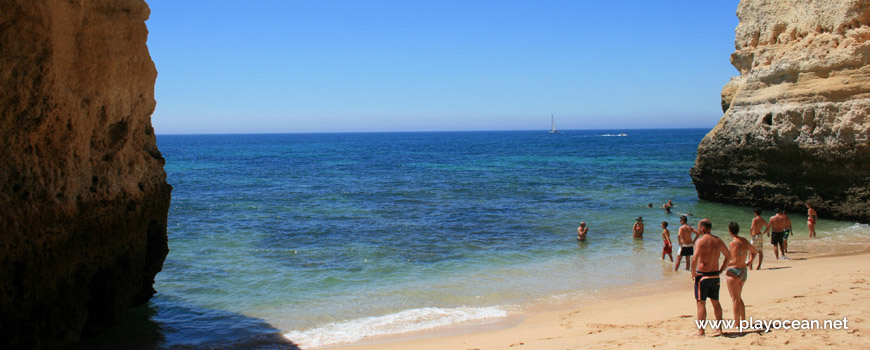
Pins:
x: 684, y: 238
x: 582, y: 231
x: 736, y: 275
x: 755, y: 232
x: 706, y: 271
x: 811, y: 219
x: 777, y: 232
x: 637, y: 230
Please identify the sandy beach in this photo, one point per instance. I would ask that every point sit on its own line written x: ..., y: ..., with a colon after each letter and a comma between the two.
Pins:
x: 814, y: 288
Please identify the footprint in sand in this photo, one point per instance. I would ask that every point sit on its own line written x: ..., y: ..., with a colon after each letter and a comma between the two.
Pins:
x: 517, y: 344
x: 798, y: 296
x: 685, y: 316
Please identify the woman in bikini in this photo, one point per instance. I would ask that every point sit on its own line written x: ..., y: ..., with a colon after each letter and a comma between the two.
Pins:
x: 737, y: 269
x: 811, y: 219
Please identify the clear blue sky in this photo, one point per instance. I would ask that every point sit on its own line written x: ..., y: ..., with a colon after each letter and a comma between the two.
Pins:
x: 403, y: 65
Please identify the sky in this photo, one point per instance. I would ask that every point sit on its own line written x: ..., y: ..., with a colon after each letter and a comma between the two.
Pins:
x: 283, y: 66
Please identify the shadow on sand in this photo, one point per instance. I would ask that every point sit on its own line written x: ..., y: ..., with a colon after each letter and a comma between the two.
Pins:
x: 740, y: 334
x: 777, y: 268
x: 162, y: 324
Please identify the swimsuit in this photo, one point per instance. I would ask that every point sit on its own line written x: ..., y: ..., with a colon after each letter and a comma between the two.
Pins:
x: 758, y: 242
x: 707, y: 287
x: 740, y: 272
x: 687, y: 250
x: 785, y: 234
x: 776, y: 237
x: 666, y: 249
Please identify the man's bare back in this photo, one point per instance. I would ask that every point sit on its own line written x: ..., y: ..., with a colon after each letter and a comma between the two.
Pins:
x: 776, y: 223
x: 757, y: 223
x: 739, y: 247
x: 685, y: 234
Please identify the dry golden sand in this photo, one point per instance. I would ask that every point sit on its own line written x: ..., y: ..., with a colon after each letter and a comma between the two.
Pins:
x: 814, y: 288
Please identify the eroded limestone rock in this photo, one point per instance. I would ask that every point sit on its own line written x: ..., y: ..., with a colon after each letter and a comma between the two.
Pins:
x: 796, y: 124
x: 83, y: 194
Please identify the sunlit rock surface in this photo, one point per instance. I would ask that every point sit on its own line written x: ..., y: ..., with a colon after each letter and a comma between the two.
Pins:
x: 796, y: 124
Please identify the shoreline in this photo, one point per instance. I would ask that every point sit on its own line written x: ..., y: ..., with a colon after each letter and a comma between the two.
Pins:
x: 664, y: 312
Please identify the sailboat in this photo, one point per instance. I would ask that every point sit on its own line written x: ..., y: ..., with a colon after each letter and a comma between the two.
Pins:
x: 553, y: 125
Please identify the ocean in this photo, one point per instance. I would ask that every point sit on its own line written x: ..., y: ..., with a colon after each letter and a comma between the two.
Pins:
x: 328, y: 239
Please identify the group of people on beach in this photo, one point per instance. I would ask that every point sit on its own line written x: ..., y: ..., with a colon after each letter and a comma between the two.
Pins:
x: 704, y: 250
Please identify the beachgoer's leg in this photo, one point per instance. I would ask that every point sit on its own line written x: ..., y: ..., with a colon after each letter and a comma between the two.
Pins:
x: 677, y: 266
x: 740, y: 284
x: 717, y: 311
x: 760, y: 258
x: 731, y: 281
x: 702, y: 314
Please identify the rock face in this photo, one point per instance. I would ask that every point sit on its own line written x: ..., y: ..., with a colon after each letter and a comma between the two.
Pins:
x: 797, y: 120
x: 83, y: 194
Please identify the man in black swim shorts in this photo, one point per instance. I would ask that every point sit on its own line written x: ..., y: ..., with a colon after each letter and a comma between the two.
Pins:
x: 705, y: 264
x: 777, y: 225
x: 684, y: 238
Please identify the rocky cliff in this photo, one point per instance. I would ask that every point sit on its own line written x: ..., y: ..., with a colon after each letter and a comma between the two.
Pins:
x: 797, y: 119
x: 83, y: 194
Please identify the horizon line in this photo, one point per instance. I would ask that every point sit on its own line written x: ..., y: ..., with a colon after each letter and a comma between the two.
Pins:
x: 413, y: 131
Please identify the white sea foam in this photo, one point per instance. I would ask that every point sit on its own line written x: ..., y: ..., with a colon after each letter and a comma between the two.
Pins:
x: 400, y: 322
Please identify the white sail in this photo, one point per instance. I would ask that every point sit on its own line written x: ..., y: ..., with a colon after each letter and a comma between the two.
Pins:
x: 553, y: 125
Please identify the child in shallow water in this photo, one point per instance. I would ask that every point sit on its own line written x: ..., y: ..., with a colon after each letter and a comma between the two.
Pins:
x: 666, y: 238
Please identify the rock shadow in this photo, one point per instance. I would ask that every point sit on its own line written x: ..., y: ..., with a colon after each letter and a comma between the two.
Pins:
x: 164, y: 324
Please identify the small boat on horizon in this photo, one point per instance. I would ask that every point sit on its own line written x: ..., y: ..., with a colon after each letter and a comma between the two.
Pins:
x: 553, y: 125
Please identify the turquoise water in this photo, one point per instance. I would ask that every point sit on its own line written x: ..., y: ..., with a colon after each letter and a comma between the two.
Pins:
x: 329, y: 238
